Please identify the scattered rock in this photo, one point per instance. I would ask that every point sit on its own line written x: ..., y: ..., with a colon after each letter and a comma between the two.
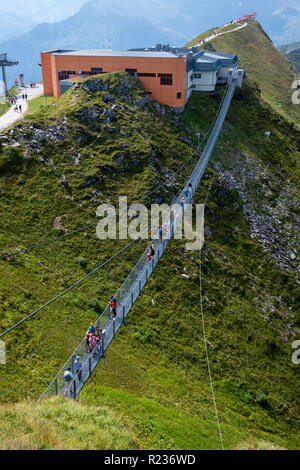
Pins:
x: 88, y: 114
x: 186, y: 141
x: 64, y: 181
x: 57, y: 224
x: 141, y: 103
x: 94, y: 86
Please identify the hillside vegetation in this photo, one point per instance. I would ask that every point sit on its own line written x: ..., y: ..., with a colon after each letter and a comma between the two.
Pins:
x: 265, y: 66
x: 107, y: 138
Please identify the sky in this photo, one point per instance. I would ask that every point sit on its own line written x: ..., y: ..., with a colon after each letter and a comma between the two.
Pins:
x: 280, y: 18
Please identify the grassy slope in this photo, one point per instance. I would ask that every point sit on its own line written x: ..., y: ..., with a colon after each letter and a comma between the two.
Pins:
x: 63, y: 425
x: 4, y: 107
x: 265, y: 65
x: 155, y: 375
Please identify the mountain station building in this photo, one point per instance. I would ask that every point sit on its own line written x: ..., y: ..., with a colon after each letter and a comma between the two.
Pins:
x: 168, y: 74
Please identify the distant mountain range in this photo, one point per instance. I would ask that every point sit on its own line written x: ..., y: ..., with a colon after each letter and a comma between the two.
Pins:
x: 122, y: 25
x: 94, y: 26
x: 292, y: 52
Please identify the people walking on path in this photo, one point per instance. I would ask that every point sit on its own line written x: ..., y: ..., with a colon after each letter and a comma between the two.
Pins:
x: 20, y: 108
x: 92, y: 343
x: 152, y: 251
x: 182, y: 203
x: 68, y: 376
x: 88, y: 337
x: 13, y: 114
x: 78, y: 367
x: 113, y: 307
x: 98, y: 334
x: 187, y: 194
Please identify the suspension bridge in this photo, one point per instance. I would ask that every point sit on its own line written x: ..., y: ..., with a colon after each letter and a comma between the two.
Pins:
x: 132, y: 287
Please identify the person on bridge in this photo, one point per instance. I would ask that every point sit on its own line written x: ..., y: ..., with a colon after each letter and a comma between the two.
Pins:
x: 98, y: 334
x: 160, y: 234
x: 92, y: 342
x: 87, y: 337
x: 152, y: 251
x: 187, y: 194
x: 78, y: 367
x: 92, y: 328
x: 20, y: 108
x: 68, y: 375
x: 112, y: 303
x: 182, y: 203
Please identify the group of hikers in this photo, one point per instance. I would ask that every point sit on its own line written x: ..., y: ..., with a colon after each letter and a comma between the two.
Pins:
x: 14, y: 101
x: 94, y: 334
x: 93, y: 337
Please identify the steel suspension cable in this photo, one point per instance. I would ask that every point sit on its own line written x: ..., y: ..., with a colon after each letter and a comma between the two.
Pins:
x: 37, y: 348
x: 204, y: 336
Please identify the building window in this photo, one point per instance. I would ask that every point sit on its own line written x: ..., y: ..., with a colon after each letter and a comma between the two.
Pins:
x: 166, y: 78
x: 197, y: 75
x: 65, y: 74
x: 179, y: 96
x: 96, y: 70
x: 146, y: 74
x: 132, y: 72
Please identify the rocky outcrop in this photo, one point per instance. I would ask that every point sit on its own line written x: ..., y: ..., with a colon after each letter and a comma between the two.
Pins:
x: 269, y: 206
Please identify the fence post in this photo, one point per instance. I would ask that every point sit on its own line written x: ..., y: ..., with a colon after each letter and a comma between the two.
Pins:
x: 114, y: 327
x: 74, y: 391
x: 131, y: 299
x: 140, y: 286
x: 124, y: 315
x: 102, y: 344
x: 56, y: 390
x: 90, y: 366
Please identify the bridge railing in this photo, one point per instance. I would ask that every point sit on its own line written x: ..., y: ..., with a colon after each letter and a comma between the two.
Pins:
x: 132, y: 286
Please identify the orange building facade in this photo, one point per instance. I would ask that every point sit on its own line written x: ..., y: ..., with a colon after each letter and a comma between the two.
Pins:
x: 162, y: 74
